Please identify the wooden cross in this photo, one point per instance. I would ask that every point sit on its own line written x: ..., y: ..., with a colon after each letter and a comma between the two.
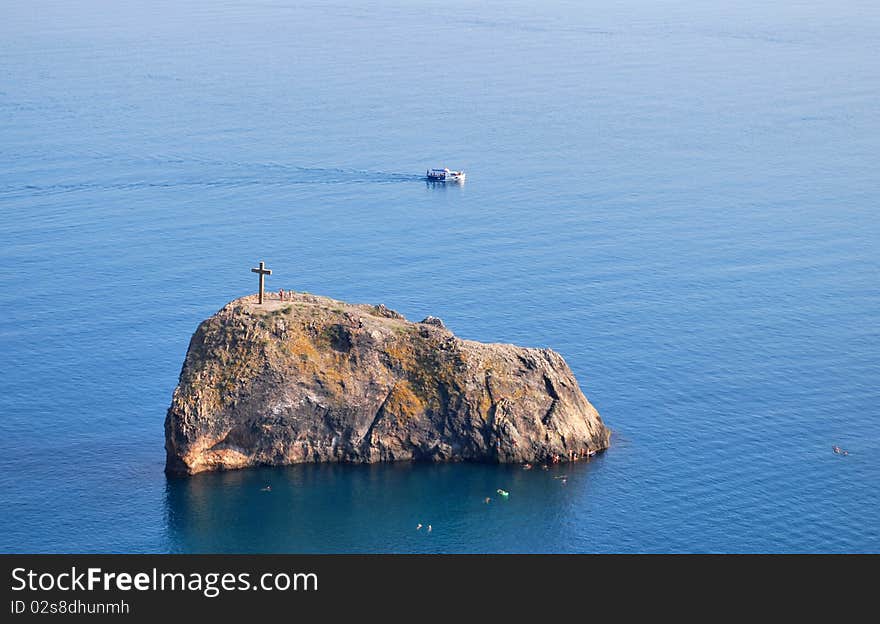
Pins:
x: 262, y: 271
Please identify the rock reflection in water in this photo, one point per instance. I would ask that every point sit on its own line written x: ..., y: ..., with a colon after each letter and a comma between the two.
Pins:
x: 376, y: 508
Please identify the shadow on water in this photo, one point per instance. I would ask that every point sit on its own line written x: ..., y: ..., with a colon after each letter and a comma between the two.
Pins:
x: 435, y: 185
x: 344, y: 508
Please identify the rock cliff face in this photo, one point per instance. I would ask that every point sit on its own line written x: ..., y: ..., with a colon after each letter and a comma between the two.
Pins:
x: 311, y: 379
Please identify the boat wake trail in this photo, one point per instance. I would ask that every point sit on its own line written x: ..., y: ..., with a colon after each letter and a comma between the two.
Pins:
x: 156, y: 172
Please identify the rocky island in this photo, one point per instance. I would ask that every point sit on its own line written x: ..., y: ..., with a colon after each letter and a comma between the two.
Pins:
x: 312, y: 379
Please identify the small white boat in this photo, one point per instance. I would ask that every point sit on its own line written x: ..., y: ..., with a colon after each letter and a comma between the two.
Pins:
x: 444, y: 175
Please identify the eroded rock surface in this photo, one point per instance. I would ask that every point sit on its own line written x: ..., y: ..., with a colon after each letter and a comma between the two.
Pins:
x: 311, y: 379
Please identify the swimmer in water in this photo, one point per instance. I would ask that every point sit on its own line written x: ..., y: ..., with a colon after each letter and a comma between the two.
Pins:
x: 429, y: 528
x: 419, y: 528
x: 268, y: 488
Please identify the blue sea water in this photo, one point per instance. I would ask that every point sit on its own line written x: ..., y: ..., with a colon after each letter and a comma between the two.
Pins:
x: 680, y: 197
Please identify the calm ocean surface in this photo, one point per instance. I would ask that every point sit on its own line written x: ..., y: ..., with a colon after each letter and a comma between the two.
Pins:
x: 680, y: 200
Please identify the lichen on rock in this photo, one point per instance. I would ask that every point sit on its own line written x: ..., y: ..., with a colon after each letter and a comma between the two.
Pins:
x: 311, y: 379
